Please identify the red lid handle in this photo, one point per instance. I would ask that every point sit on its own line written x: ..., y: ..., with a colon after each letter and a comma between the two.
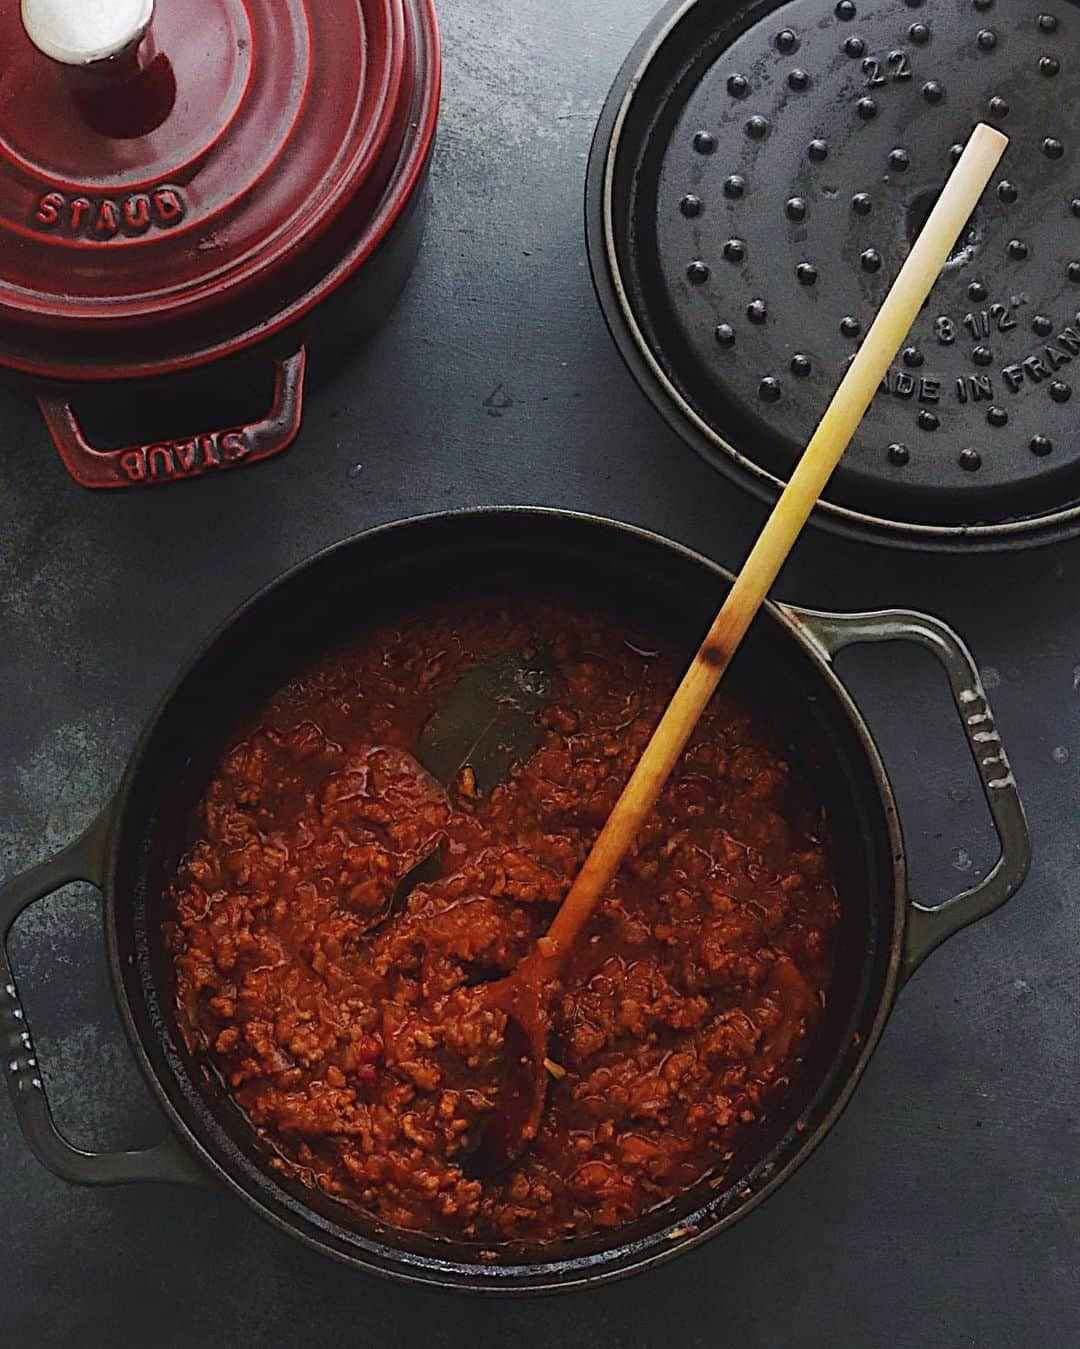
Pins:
x: 169, y: 460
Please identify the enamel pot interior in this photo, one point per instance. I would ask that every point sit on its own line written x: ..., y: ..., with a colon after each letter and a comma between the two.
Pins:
x: 381, y: 573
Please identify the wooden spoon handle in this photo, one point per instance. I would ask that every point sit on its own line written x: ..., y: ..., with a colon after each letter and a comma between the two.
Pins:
x: 830, y: 440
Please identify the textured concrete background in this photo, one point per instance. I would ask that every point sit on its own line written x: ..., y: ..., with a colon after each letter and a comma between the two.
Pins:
x: 944, y: 1208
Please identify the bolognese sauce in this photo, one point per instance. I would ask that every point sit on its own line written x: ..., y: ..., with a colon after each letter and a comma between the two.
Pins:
x: 356, y: 1042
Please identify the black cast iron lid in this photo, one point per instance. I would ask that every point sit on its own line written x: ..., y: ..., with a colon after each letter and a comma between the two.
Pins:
x: 798, y: 157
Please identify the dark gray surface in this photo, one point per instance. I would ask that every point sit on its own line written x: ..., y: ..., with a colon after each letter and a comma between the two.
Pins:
x: 944, y: 1208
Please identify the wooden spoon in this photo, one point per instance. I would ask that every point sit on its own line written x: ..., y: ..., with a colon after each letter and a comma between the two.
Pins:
x: 514, y: 1122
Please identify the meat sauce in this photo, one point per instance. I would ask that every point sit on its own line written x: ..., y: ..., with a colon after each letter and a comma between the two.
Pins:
x: 356, y: 1046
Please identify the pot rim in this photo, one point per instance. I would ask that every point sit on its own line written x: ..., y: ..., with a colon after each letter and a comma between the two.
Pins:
x: 578, y: 1271
x: 681, y: 416
x: 422, y: 33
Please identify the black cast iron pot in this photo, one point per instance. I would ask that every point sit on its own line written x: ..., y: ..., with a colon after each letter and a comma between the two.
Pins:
x: 785, y: 666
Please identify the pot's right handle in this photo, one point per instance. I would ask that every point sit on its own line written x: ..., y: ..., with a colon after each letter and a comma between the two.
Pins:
x: 81, y: 861
x: 928, y: 927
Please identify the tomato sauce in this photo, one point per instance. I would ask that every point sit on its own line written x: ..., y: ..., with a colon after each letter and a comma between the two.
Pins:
x: 356, y: 1045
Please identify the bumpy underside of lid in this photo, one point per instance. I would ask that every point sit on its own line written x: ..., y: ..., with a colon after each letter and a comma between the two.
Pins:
x: 790, y: 169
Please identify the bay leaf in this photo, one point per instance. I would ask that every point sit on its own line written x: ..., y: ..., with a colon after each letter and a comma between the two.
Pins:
x: 489, y: 720
x: 429, y: 868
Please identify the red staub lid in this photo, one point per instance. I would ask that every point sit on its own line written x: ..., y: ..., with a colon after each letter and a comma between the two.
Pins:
x: 180, y: 179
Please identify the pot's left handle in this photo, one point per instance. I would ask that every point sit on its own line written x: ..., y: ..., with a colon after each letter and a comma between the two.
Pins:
x: 172, y: 460
x: 81, y: 861
x: 928, y: 927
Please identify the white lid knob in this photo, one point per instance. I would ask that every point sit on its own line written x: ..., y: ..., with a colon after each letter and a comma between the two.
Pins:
x: 80, y: 32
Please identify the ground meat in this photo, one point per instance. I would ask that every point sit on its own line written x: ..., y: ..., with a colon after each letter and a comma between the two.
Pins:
x: 359, y: 1047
